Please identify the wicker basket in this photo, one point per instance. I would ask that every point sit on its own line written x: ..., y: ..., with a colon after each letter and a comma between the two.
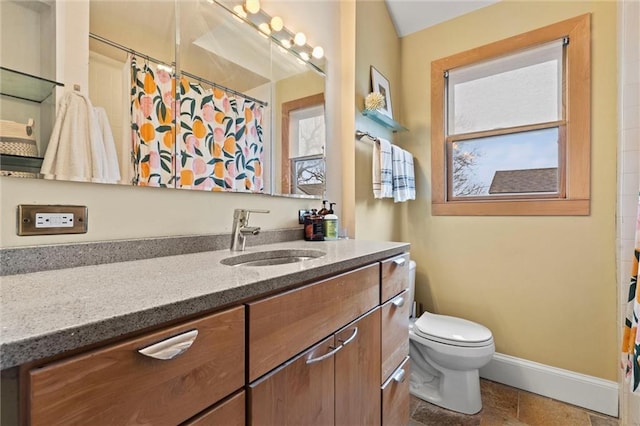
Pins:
x: 18, y: 139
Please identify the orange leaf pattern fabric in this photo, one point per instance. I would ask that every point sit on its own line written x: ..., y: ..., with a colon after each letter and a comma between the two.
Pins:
x: 630, y: 334
x: 220, y: 140
x: 218, y: 145
x: 152, y: 129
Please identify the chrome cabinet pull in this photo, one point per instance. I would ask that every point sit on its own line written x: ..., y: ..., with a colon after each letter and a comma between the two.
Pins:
x: 171, y: 347
x: 399, y: 262
x: 398, y: 302
x: 350, y: 339
x: 398, y: 377
x: 325, y: 356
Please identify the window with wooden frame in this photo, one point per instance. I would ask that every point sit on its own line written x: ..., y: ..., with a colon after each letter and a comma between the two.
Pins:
x: 511, y: 125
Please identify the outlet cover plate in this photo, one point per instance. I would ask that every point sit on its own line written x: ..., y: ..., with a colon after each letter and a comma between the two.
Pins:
x: 27, y: 219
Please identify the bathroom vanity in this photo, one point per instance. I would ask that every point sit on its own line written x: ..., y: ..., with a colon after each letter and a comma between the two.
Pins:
x: 322, y: 341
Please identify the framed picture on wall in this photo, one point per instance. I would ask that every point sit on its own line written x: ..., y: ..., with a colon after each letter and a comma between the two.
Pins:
x: 379, y: 83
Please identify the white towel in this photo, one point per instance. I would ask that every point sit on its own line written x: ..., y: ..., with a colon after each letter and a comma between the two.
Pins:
x: 112, y: 171
x: 76, y: 150
x: 382, y: 169
x: 403, y: 178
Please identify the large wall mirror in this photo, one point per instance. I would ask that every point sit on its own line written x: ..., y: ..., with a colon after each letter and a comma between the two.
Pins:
x: 192, y: 95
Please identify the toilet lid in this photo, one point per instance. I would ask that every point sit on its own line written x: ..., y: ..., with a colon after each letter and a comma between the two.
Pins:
x: 457, y: 331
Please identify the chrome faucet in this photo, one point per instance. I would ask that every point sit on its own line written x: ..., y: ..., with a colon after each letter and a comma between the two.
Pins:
x: 241, y: 228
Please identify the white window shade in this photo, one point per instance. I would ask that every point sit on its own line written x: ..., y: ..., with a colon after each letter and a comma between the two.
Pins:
x: 516, y: 90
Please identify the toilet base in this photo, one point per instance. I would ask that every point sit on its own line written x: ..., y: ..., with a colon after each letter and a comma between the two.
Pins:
x: 460, y: 394
x: 456, y: 390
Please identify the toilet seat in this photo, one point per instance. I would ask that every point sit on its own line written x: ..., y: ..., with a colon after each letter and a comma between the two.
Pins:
x: 452, y: 330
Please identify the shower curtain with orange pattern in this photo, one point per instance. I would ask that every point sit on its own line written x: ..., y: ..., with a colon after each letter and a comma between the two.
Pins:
x: 631, y: 335
x: 153, y: 130
x: 220, y: 145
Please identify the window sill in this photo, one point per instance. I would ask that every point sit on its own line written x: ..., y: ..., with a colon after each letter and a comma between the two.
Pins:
x: 512, y: 208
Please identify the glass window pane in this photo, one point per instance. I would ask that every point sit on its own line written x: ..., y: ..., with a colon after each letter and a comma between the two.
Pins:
x: 515, y: 90
x: 516, y: 163
x: 307, y: 131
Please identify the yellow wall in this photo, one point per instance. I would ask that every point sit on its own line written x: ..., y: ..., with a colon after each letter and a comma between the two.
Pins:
x: 378, y: 45
x: 545, y: 286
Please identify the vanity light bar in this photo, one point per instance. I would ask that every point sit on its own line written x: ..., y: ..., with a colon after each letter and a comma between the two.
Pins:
x: 249, y: 11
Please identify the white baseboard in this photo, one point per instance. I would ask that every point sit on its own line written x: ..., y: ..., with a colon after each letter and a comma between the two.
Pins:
x: 574, y: 388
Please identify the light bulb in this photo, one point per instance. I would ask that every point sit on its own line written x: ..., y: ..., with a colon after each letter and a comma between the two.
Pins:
x: 300, y: 39
x: 276, y: 23
x: 238, y: 10
x: 318, y: 52
x: 252, y: 6
x: 286, y: 43
x: 264, y: 27
x: 304, y: 55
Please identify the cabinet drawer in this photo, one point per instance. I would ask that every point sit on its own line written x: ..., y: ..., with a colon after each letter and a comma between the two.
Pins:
x: 284, y: 325
x: 395, y: 332
x: 118, y: 385
x: 230, y: 412
x: 395, y: 276
x: 395, y: 397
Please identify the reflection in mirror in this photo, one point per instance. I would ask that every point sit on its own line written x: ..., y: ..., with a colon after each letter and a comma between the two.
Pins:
x: 205, y: 113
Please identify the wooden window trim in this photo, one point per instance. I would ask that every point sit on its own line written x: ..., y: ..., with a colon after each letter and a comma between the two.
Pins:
x: 287, y: 108
x: 575, y: 181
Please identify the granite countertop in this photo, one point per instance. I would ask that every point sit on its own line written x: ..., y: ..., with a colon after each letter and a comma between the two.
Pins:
x: 47, y: 313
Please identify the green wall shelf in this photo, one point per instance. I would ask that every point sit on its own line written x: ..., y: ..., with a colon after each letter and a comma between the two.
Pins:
x: 25, y: 86
x: 384, y: 120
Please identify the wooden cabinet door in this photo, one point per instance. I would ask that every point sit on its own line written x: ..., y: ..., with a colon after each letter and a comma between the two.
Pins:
x: 395, y: 396
x: 395, y: 332
x: 230, y: 412
x: 357, y: 380
x: 118, y: 385
x: 301, y: 392
x: 286, y: 324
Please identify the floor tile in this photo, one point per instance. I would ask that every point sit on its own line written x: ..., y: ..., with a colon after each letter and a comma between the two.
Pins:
x: 432, y: 415
x: 500, y: 398
x: 493, y: 417
x: 537, y: 410
x: 413, y: 404
x: 603, y: 421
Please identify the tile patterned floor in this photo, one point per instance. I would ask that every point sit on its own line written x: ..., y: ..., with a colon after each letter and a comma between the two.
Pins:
x: 506, y: 406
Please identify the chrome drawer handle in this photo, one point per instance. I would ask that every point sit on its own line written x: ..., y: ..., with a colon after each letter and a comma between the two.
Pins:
x: 400, y: 262
x: 350, y: 339
x: 325, y: 356
x: 398, y: 377
x: 171, y: 347
x: 398, y: 302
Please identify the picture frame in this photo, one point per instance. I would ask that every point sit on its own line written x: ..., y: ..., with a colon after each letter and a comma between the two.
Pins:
x: 379, y: 83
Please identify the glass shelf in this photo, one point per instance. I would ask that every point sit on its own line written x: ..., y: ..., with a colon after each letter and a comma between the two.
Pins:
x: 25, y: 86
x: 384, y: 120
x: 19, y: 163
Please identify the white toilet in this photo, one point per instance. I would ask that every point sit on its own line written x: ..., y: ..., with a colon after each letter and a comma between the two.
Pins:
x: 446, y: 353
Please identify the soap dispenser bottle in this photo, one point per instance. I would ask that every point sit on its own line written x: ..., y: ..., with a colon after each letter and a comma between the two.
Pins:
x: 331, y: 224
x: 323, y: 211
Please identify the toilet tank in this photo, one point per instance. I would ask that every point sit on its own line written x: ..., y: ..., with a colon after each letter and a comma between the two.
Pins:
x: 412, y: 287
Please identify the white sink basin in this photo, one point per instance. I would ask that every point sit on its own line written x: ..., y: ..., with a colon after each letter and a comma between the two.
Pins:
x: 273, y: 257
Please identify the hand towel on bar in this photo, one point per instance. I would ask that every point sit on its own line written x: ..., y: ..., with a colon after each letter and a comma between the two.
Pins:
x: 403, y: 179
x: 112, y: 171
x: 411, y: 179
x: 382, y: 169
x: 75, y: 151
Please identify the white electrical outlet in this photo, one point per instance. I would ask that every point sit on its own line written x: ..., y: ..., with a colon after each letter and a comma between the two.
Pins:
x: 54, y: 220
x: 36, y: 219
